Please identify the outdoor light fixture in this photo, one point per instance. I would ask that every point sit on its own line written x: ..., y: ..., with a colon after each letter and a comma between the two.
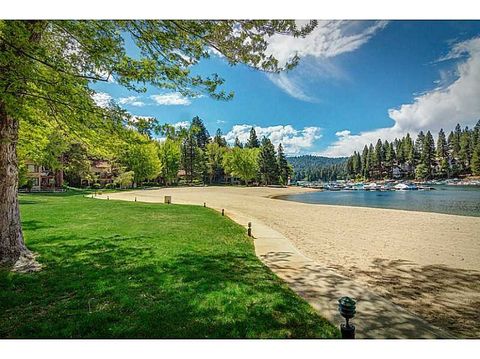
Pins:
x: 346, y: 307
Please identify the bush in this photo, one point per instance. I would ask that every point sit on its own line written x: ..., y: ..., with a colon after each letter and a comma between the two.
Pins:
x: 110, y: 186
x: 96, y: 186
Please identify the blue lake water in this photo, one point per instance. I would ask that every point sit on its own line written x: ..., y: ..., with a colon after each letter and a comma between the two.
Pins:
x: 459, y: 200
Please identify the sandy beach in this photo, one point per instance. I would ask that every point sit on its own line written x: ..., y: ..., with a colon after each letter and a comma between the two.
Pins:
x: 428, y: 263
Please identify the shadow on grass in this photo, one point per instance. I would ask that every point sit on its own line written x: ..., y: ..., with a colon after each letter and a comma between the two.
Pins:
x: 125, y: 288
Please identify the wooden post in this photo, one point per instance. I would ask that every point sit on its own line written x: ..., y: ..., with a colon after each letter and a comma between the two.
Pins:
x: 223, y: 212
x: 249, y: 230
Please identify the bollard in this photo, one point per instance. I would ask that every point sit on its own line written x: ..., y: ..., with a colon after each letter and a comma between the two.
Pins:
x: 135, y: 199
x: 204, y: 204
x: 347, y: 309
x: 249, y: 230
x: 223, y: 212
x: 108, y: 197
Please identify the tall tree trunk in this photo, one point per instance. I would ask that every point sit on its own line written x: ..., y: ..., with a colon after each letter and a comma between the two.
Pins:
x: 13, y: 252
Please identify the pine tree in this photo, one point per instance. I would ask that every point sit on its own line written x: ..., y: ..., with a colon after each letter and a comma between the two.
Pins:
x: 200, y: 132
x: 418, y: 148
x: 389, y: 158
x: 267, y: 162
x: 365, y: 162
x: 465, y: 150
x: 283, y: 166
x: 371, y: 161
x: 428, y: 153
x: 252, y: 140
x: 219, y: 139
x: 442, y: 154
x: 476, y: 160
x: 238, y: 143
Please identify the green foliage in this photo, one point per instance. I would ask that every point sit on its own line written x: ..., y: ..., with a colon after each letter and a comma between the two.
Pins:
x: 252, y: 141
x: 142, y: 159
x: 449, y: 158
x: 267, y: 163
x: 215, y: 152
x: 422, y: 171
x: 125, y: 179
x: 159, y: 272
x: 285, y: 170
x: 169, y: 154
x: 315, y: 168
x: 242, y: 163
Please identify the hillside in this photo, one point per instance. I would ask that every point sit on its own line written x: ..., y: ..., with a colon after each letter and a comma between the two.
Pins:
x: 314, y: 168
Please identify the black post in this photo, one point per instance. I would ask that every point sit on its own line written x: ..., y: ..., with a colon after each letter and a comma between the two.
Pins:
x: 249, y: 230
x: 204, y: 204
x: 135, y: 199
x: 347, y: 309
x: 223, y: 212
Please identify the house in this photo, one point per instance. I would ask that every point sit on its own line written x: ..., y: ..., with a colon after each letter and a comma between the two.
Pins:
x: 42, y: 178
x: 102, y: 173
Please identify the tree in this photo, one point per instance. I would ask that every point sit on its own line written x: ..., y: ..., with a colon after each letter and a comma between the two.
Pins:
x: 465, y: 152
x: 427, y: 156
x: 142, y: 159
x: 284, y: 168
x: 219, y: 139
x: 200, y: 132
x: 238, y: 143
x: 48, y: 66
x: 365, y: 162
x: 215, y: 154
x: 418, y: 148
x: 252, y: 141
x: 421, y: 172
x: 193, y: 157
x: 442, y: 154
x: 169, y: 154
x: 476, y: 160
x: 267, y: 162
x: 242, y: 163
x: 124, y: 179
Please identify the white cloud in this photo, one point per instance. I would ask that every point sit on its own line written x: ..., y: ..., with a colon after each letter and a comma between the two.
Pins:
x: 131, y: 100
x: 169, y: 99
x: 294, y: 141
x: 442, y: 107
x: 329, y: 39
x: 290, y: 86
x: 102, y: 99
x: 181, y: 124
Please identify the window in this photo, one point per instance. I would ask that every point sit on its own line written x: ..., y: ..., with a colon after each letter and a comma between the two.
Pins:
x: 35, y: 181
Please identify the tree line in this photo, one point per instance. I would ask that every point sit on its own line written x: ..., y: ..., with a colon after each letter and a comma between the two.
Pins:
x: 318, y: 168
x: 452, y: 156
x: 140, y: 158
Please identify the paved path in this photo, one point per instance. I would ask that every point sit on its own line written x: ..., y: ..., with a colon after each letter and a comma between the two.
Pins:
x: 321, y: 287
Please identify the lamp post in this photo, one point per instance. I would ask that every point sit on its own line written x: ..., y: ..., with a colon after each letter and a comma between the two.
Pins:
x: 346, y: 307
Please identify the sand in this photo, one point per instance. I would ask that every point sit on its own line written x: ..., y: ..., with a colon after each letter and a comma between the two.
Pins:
x: 428, y: 263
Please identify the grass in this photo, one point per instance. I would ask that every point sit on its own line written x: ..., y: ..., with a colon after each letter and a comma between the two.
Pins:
x: 116, y: 269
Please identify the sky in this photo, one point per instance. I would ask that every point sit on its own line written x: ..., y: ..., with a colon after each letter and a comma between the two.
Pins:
x: 357, y: 81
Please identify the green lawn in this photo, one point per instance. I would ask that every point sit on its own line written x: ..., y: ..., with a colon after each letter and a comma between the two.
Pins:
x: 135, y: 270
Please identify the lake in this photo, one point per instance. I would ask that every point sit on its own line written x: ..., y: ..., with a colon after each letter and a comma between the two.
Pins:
x: 459, y: 200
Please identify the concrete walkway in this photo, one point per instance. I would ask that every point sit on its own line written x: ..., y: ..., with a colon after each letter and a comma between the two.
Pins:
x: 321, y: 287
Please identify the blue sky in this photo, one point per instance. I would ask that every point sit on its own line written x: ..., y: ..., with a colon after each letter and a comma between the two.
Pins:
x: 357, y: 81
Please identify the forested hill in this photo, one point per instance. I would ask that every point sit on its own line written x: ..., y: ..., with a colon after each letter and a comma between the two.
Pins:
x: 315, y: 168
